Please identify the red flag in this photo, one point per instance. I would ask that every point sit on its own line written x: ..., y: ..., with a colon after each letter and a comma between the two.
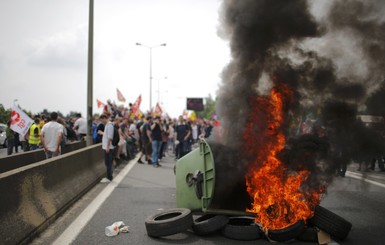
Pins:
x: 158, y: 110
x: 99, y: 103
x: 120, y: 96
x: 136, y: 105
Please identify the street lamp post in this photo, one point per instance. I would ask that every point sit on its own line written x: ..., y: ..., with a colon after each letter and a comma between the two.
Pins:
x: 90, y: 71
x: 150, y: 48
x: 159, y: 87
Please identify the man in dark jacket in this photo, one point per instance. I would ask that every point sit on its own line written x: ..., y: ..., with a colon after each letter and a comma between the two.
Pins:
x: 182, y: 134
x: 156, y: 134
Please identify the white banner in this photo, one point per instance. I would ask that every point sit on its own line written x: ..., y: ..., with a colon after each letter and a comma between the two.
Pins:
x: 20, y: 122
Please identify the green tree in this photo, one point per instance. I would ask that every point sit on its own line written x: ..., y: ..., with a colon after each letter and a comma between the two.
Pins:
x: 45, y: 112
x: 72, y: 114
x: 5, y: 114
x: 209, y: 109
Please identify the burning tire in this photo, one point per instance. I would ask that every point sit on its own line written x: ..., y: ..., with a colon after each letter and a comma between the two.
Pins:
x: 310, y: 234
x: 242, y: 228
x: 287, y: 233
x: 169, y: 222
x: 209, y: 223
x: 331, y: 223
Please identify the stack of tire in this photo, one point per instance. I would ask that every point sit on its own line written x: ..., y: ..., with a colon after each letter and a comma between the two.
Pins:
x: 336, y: 226
x: 178, y: 220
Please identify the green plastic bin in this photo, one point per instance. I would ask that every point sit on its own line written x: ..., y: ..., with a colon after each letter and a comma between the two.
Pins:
x: 210, y: 179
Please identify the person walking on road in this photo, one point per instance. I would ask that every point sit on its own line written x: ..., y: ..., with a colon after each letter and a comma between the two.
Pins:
x: 81, y: 126
x: 182, y: 134
x: 17, y: 142
x: 51, y: 136
x: 156, y: 129
x: 34, y: 135
x: 171, y: 142
x: 146, y: 140
x: 10, y: 138
x: 107, y: 146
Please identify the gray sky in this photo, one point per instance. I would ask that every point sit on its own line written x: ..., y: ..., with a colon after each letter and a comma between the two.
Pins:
x: 43, y: 52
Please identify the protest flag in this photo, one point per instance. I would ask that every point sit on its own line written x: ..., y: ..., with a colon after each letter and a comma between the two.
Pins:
x: 120, y: 96
x: 20, y: 122
x: 99, y: 103
x: 135, y: 107
x: 158, y: 110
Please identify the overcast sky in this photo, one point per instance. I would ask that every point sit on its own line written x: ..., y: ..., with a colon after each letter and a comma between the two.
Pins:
x: 43, y: 52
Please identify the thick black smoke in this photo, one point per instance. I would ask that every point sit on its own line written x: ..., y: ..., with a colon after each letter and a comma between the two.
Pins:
x: 256, y: 29
x: 334, y: 63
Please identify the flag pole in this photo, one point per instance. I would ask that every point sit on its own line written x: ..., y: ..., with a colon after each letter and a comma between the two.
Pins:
x: 90, y: 71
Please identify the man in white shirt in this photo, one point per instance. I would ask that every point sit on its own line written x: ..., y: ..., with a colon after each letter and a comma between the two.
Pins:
x: 107, y: 146
x: 51, y: 136
x: 81, y: 126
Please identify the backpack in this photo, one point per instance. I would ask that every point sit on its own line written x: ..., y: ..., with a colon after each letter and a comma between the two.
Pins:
x: 116, y: 138
x: 71, y: 135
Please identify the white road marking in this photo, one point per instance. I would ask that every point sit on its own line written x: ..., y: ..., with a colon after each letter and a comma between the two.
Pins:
x: 74, y: 229
x: 359, y: 177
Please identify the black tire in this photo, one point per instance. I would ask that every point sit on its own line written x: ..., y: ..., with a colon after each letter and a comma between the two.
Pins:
x: 310, y: 234
x: 242, y: 228
x: 288, y: 233
x: 331, y: 223
x: 209, y: 223
x: 169, y: 222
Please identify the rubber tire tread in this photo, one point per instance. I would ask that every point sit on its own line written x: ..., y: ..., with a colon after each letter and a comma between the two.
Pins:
x: 331, y: 223
x: 310, y: 234
x: 241, y: 232
x: 208, y: 224
x: 169, y: 226
x: 288, y: 233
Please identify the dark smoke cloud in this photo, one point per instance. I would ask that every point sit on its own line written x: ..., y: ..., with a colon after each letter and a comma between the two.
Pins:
x: 333, y: 65
x: 255, y: 29
x: 364, y: 21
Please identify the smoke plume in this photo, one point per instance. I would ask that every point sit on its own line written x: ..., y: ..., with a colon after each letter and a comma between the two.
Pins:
x: 332, y: 58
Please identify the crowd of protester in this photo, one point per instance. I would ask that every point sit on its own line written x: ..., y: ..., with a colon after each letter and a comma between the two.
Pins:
x: 152, y: 136
x: 50, y: 133
x: 122, y: 134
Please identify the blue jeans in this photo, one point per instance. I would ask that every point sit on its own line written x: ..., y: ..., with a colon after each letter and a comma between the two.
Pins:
x: 172, y: 143
x: 108, y: 162
x: 50, y: 154
x: 155, y: 151
x: 33, y: 147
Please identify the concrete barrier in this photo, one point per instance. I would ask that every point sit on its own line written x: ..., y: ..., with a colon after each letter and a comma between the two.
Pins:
x: 33, y: 196
x: 23, y: 159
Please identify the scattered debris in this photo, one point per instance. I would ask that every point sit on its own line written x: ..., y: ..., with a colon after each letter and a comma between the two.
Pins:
x: 115, y: 228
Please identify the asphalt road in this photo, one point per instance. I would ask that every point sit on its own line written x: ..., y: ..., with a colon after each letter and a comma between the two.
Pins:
x: 145, y: 190
x: 3, y: 151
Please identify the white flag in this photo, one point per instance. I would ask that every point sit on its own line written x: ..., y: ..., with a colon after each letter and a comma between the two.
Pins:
x: 20, y: 122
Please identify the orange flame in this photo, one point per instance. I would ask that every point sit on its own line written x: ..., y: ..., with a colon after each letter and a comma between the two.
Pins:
x: 280, y: 198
